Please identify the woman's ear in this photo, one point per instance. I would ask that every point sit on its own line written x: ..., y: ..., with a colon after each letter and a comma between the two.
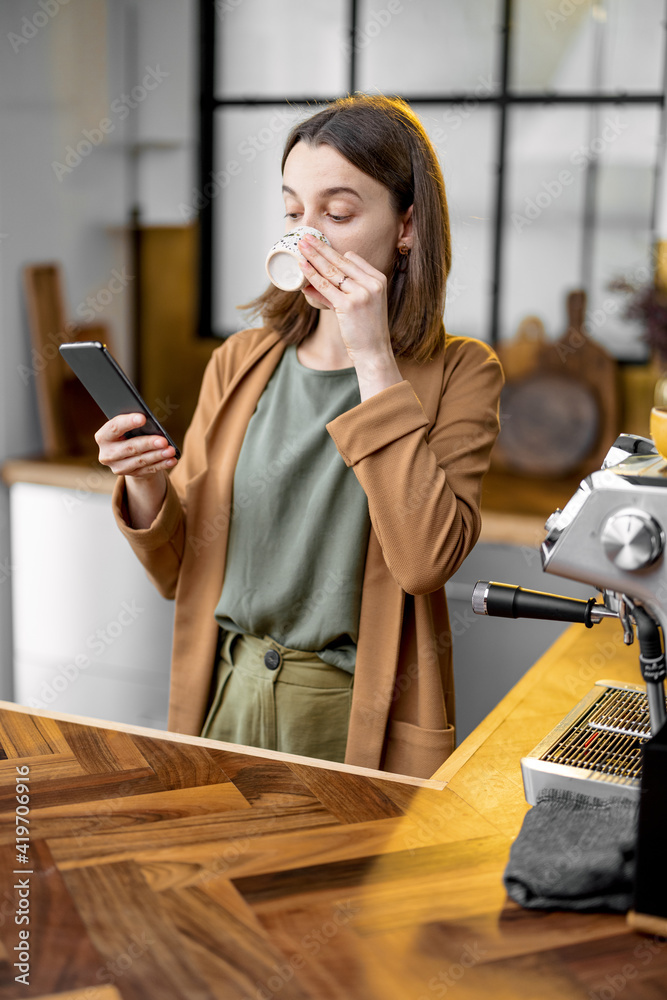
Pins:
x: 405, y: 230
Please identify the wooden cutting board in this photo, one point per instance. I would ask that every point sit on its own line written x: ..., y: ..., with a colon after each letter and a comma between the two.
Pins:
x: 559, y: 406
x: 520, y: 356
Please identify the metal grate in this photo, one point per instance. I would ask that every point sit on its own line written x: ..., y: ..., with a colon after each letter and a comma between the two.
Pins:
x: 612, y: 754
x: 608, y: 738
x: 622, y: 712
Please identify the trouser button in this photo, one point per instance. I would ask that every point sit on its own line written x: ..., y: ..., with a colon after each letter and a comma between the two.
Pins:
x: 272, y: 659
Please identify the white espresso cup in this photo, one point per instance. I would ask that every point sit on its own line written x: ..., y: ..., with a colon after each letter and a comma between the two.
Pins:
x: 282, y: 262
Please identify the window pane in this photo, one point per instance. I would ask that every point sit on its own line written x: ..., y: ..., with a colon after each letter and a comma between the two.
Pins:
x: 556, y: 51
x: 549, y: 156
x: 248, y: 210
x: 465, y: 139
x: 276, y: 49
x: 427, y: 46
x: 542, y: 237
x: 623, y: 233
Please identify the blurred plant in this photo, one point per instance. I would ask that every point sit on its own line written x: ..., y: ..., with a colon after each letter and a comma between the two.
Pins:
x: 648, y: 304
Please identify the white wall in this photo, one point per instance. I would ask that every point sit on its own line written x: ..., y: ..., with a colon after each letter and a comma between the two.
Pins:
x: 64, y: 68
x: 166, y: 122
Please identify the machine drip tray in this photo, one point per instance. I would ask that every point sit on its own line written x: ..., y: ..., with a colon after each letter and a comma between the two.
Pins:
x: 596, y: 749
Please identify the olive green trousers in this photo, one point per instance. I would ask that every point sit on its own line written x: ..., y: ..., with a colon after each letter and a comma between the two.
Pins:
x: 277, y: 698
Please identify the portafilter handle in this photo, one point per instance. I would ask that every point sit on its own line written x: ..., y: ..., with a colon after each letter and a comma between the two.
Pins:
x: 503, y: 600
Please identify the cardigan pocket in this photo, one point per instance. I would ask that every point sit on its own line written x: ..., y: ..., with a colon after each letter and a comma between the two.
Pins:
x: 415, y: 751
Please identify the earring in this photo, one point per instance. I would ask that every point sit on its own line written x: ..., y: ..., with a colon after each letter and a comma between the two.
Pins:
x: 404, y: 251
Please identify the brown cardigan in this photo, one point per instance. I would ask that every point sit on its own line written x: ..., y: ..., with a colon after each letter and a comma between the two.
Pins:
x: 419, y: 449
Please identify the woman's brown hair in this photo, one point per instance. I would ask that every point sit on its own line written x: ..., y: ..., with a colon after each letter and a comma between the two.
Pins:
x: 383, y: 138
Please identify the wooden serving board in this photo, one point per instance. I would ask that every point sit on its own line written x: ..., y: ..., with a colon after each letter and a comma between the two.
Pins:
x: 68, y: 415
x: 559, y: 406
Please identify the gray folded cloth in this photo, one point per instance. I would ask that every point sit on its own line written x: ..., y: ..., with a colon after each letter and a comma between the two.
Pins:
x: 574, y: 852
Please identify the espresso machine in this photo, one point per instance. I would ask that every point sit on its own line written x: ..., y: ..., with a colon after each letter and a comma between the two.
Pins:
x: 612, y: 535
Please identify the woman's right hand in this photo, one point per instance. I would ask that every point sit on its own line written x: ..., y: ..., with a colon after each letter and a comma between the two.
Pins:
x: 139, y: 456
x: 143, y: 459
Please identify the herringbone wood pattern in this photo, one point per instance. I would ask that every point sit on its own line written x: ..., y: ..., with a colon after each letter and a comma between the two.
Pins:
x: 170, y: 868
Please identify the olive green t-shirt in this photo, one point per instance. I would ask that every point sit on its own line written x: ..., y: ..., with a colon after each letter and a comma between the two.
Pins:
x: 299, y: 528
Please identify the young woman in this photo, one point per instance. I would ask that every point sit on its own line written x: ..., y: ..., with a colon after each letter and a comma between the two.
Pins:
x: 330, y: 479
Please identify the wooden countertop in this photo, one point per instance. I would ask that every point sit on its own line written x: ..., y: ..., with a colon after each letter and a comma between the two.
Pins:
x: 164, y: 866
x: 82, y: 473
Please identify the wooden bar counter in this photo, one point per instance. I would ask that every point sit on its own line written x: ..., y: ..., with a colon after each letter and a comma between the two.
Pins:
x: 162, y: 866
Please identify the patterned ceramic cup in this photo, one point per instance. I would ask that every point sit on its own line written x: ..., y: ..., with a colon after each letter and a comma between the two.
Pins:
x: 282, y: 262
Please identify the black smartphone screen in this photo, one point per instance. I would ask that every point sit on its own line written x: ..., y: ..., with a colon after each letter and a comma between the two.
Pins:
x: 110, y: 387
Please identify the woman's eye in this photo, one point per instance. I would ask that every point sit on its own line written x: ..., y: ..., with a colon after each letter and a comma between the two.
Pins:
x: 339, y: 218
x: 291, y: 215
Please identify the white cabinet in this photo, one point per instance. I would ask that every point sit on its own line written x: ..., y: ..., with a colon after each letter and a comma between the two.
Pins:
x: 92, y: 636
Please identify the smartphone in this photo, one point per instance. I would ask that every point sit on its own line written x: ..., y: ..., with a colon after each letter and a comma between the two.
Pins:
x: 110, y: 387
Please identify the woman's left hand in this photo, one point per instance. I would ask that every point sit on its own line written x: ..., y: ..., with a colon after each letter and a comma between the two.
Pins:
x: 357, y: 293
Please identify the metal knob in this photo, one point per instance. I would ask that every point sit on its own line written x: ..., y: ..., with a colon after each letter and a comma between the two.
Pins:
x: 632, y: 539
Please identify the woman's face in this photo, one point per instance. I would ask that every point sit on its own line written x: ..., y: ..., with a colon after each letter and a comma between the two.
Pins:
x: 355, y: 212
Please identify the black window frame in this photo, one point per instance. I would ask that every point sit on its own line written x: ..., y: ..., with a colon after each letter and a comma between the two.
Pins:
x: 504, y: 99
